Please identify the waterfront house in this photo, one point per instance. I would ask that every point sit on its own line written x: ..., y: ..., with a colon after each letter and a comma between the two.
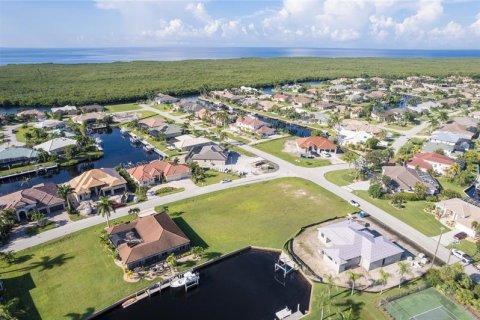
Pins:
x: 157, y: 127
x: 187, y: 142
x: 165, y: 99
x: 350, y: 244
x: 50, y: 124
x: 149, y: 123
x: 302, y: 101
x: 148, y: 240
x: 208, y: 156
x: 323, y: 105
x: 89, y: 119
x: 157, y: 171
x: 17, y: 156
x: 348, y: 137
x: 315, y: 145
x: 56, y: 146
x: 31, y: 114
x: 385, y: 115
x: 280, y: 97
x: 426, y: 161
x: 266, y: 105
x: 452, y: 139
x: 359, y: 125
x: 404, y: 179
x: 447, y: 149
x: 65, y: 110
x: 461, y: 213
x: 98, y: 182
x: 42, y: 197
x: 92, y: 108
x: 457, y: 129
x: 425, y: 107
x: 252, y: 125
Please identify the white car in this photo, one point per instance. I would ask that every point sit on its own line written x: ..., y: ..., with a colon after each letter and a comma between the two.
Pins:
x: 226, y: 180
x: 354, y: 203
x: 464, y: 258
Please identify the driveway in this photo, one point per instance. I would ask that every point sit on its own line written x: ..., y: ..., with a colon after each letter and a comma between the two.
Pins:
x: 10, y: 137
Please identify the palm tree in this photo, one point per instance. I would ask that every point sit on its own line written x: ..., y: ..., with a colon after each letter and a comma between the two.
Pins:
x: 172, y: 262
x: 9, y: 310
x: 134, y: 211
x: 105, y: 208
x: 324, y: 303
x: 330, y: 281
x: 403, y: 269
x: 352, y: 276
x: 347, y: 315
x: 197, y: 251
x: 384, y: 276
x: 443, y: 116
x: 63, y: 191
x: 350, y: 157
x: 38, y: 217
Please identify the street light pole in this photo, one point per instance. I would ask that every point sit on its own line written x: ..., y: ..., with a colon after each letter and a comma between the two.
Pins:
x: 438, y: 245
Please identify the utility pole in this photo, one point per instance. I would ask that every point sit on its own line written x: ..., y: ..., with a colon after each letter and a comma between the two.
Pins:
x: 438, y: 245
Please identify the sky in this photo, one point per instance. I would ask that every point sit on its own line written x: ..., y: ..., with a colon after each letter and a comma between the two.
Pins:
x: 385, y: 24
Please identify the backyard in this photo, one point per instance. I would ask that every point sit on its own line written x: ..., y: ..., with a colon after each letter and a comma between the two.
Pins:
x: 77, y: 276
x: 275, y: 147
x: 123, y: 107
x: 412, y: 214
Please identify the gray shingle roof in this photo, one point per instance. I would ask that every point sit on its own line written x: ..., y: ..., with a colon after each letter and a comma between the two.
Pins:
x: 17, y: 153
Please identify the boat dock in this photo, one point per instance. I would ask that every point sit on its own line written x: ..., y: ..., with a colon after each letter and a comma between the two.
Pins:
x: 285, y: 264
x: 147, y: 146
x: 286, y: 314
x: 33, y: 171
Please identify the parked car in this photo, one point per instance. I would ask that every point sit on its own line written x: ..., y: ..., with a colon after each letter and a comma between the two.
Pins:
x: 117, y: 205
x: 354, y: 203
x: 307, y: 156
x: 464, y: 258
x: 460, y: 236
x: 226, y: 180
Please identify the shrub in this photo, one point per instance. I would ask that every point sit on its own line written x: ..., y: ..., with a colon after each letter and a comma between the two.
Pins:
x: 164, y: 190
x: 375, y: 191
x: 449, y: 194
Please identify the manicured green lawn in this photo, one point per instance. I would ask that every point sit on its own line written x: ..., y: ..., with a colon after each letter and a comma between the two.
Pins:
x: 36, y: 229
x: 20, y: 134
x: 146, y: 114
x: 76, y: 275
x: 397, y: 127
x: 163, y: 107
x: 451, y: 186
x: 123, y: 107
x: 213, y: 177
x: 275, y: 148
x: 168, y: 190
x: 412, y: 214
x: 238, y: 138
x: 25, y: 168
x: 363, y: 304
x: 341, y: 177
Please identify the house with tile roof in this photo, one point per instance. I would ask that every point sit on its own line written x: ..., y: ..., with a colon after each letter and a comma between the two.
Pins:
x: 462, y: 213
x: 350, y: 244
x: 65, y: 110
x: 315, y: 144
x: 404, y: 179
x: 88, y: 118
x: 98, y: 182
x: 426, y: 161
x: 56, y: 146
x: 42, y: 197
x: 187, y: 142
x: 31, y: 114
x: 148, y: 240
x: 157, y: 171
x: 208, y: 156
x: 252, y: 125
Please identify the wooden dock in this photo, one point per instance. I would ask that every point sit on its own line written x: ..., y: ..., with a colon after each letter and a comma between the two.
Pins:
x: 33, y: 171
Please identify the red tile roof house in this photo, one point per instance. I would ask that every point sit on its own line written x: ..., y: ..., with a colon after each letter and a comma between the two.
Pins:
x: 42, y: 197
x: 315, y: 144
x: 252, y: 125
x: 155, y: 171
x: 148, y: 240
x: 426, y: 161
x: 280, y: 97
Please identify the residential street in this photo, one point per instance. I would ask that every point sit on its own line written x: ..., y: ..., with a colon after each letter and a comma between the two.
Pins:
x: 11, y: 137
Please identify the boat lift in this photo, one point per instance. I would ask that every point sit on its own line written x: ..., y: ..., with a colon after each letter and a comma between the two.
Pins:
x: 285, y: 265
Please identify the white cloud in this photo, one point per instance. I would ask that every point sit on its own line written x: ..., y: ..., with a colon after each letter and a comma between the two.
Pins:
x: 451, y: 31
x: 475, y: 26
x: 414, y: 26
x: 380, y: 26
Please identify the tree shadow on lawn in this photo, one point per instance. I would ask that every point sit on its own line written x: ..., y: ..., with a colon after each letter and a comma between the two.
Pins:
x: 78, y: 316
x: 195, y: 239
x: 45, y: 263
x: 20, y: 287
x: 349, y: 303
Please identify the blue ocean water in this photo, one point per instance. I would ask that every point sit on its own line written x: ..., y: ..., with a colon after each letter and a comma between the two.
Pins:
x: 102, y: 55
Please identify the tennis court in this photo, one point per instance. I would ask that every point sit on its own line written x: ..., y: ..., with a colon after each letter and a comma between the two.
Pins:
x: 428, y: 304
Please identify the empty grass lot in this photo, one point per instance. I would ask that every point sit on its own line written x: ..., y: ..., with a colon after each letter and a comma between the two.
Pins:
x: 275, y: 147
x: 212, y: 177
x: 412, y: 214
x: 76, y: 275
x: 341, y: 177
x: 123, y: 107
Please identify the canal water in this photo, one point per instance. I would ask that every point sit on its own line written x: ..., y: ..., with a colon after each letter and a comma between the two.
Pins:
x: 241, y: 287
x: 117, y: 150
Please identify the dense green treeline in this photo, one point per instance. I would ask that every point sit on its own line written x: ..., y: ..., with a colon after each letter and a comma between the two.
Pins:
x: 57, y: 84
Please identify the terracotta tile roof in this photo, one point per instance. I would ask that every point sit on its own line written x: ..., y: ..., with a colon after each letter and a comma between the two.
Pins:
x: 251, y: 121
x: 152, y: 122
x: 104, y: 177
x: 156, y: 168
x: 317, y: 142
x: 44, y: 195
x: 158, y: 232
x: 424, y: 160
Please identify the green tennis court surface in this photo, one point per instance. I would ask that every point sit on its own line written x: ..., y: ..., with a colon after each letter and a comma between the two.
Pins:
x: 426, y: 305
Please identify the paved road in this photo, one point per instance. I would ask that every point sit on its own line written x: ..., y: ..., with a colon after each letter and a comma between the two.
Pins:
x: 11, y: 137
x: 145, y: 207
x: 406, y: 135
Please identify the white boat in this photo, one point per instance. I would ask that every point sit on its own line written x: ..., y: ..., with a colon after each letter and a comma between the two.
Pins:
x: 99, y: 147
x: 123, y: 131
x: 185, y: 279
x: 148, y: 147
x: 98, y: 140
x: 134, y: 140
